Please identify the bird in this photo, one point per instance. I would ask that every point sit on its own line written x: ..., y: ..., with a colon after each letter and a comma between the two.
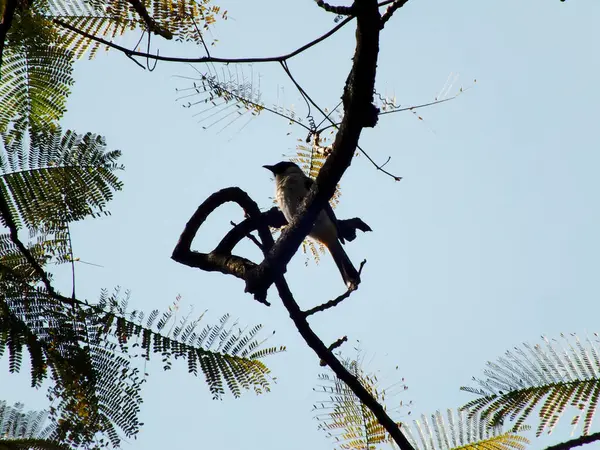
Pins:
x: 291, y: 186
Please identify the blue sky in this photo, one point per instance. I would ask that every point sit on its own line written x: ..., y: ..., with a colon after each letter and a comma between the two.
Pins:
x: 490, y: 239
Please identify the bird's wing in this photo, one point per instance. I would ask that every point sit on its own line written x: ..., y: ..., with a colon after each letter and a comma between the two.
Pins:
x: 308, y: 182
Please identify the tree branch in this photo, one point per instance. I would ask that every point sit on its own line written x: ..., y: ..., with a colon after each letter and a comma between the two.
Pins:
x: 6, y: 23
x: 153, y: 27
x: 324, y: 353
x: 336, y: 301
x: 327, y: 356
x: 333, y: 346
x: 220, y: 259
x: 203, y: 59
x: 397, y: 4
x: 14, y: 237
x: 359, y: 112
x: 342, y: 10
x: 582, y: 440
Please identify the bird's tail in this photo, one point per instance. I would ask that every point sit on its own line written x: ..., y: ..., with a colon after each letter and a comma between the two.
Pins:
x: 349, y: 273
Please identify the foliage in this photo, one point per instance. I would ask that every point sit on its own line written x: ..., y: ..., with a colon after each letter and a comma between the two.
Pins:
x: 48, y: 179
x: 343, y: 417
x: 35, y: 74
x: 352, y: 425
x: 92, y: 350
x: 459, y: 431
x: 25, y: 430
x: 56, y: 178
x: 553, y: 376
x: 181, y: 19
x: 224, y: 353
x: 311, y: 158
x: 223, y: 96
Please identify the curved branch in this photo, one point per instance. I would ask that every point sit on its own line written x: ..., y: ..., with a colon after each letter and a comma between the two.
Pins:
x: 220, y: 259
x: 314, y: 342
x: 274, y: 218
x: 203, y: 59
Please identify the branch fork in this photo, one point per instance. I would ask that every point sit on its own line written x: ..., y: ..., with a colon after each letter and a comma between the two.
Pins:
x: 221, y: 259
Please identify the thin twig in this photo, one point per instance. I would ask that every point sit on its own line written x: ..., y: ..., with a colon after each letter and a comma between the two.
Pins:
x: 407, y: 108
x: 149, y: 21
x: 333, y: 346
x: 336, y: 301
x: 250, y: 236
x: 397, y: 4
x: 380, y: 167
x: 200, y: 35
x: 342, y: 10
x: 14, y: 237
x: 326, y: 117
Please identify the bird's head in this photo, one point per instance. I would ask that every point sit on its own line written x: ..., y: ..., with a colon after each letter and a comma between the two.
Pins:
x: 283, y: 168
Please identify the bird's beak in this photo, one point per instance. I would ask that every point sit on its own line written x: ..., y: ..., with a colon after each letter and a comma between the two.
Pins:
x: 269, y: 168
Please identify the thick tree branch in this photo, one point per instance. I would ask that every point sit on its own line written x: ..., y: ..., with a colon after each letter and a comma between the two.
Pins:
x: 323, y: 352
x: 153, y: 27
x: 327, y: 356
x: 7, y: 18
x: 582, y: 440
x: 220, y: 259
x: 274, y: 218
x: 359, y: 112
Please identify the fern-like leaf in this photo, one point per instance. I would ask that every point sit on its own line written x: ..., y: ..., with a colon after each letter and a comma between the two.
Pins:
x: 310, y: 158
x: 343, y: 417
x: 59, y: 178
x: 35, y: 76
x: 184, y: 20
x: 17, y: 424
x: 457, y: 430
x: 226, y: 355
x: 223, y: 97
x: 548, y: 376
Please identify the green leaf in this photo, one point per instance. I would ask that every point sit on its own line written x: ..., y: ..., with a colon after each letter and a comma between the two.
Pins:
x: 35, y: 76
x: 550, y: 376
x: 58, y: 178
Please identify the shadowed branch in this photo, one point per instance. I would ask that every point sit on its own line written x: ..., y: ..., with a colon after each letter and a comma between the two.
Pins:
x: 221, y: 258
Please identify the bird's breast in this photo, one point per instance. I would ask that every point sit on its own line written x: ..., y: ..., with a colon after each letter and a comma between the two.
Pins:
x: 289, y: 195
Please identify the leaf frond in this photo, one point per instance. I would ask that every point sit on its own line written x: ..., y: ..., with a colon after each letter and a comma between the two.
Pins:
x: 551, y: 377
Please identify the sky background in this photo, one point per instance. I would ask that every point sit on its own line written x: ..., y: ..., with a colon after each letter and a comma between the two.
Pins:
x: 490, y: 240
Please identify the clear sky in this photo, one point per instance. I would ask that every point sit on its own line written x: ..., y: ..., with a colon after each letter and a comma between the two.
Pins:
x: 490, y: 240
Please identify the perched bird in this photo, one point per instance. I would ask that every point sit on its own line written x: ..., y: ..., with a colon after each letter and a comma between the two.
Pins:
x: 291, y: 186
